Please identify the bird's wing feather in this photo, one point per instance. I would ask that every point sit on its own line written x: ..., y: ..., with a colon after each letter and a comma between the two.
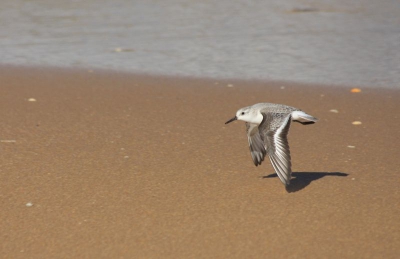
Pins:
x: 256, y: 144
x: 274, y: 130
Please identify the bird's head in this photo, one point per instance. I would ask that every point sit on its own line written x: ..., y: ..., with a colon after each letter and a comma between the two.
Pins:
x: 244, y: 114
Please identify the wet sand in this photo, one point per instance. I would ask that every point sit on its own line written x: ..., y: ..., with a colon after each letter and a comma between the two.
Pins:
x: 112, y: 165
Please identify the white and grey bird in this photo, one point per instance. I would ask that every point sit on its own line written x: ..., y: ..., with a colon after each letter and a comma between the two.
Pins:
x: 267, y: 126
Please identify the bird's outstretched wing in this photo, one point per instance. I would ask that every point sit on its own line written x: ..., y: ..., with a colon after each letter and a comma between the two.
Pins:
x: 273, y: 130
x: 256, y: 144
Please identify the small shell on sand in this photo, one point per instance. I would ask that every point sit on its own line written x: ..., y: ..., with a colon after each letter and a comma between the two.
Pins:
x: 31, y: 100
x: 8, y: 141
x: 355, y: 90
x: 29, y: 204
x: 334, y: 111
x: 356, y: 123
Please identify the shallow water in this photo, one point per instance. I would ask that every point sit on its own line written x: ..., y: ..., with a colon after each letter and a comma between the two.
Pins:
x: 327, y: 41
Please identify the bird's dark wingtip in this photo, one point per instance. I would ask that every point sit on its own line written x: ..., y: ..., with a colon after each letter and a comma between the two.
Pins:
x: 305, y: 122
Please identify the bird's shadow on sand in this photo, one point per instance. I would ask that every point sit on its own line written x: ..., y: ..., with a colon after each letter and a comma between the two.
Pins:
x: 301, y: 179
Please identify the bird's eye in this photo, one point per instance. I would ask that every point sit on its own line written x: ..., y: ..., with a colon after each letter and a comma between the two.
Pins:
x: 242, y: 113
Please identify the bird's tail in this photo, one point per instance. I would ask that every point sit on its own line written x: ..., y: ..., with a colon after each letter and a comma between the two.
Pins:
x: 303, y: 117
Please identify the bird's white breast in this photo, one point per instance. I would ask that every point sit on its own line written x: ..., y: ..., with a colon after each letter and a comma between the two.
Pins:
x: 258, y: 118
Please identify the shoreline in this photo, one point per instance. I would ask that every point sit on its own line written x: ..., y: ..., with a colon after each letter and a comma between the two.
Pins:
x: 222, y: 80
x: 322, y: 42
x: 119, y: 165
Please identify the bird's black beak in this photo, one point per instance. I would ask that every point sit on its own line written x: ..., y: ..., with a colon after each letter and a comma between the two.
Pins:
x: 233, y: 119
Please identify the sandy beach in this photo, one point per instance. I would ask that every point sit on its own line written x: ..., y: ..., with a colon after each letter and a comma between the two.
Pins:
x: 97, y: 164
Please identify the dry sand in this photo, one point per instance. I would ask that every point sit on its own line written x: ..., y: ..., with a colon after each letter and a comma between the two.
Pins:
x: 111, y: 165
